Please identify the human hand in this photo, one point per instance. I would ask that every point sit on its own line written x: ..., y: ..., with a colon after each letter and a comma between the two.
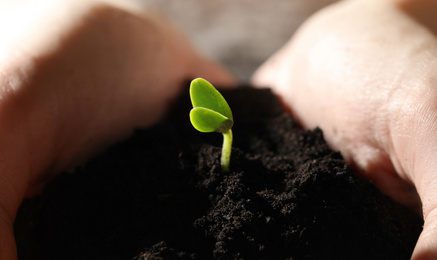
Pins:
x: 364, y: 71
x: 74, y: 77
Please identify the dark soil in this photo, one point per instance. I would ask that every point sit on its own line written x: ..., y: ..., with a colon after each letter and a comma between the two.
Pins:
x: 161, y: 195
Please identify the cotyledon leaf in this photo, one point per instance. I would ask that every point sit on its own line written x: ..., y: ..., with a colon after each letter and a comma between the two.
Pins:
x: 203, y: 94
x: 206, y: 120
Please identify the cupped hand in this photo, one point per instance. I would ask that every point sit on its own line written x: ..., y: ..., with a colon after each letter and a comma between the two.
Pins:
x: 74, y: 77
x: 364, y: 71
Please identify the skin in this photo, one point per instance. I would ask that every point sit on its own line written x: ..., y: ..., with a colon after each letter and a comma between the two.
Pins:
x: 76, y: 77
x: 364, y: 71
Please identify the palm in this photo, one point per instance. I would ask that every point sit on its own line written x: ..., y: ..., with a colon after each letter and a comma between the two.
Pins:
x: 364, y: 72
x: 76, y: 77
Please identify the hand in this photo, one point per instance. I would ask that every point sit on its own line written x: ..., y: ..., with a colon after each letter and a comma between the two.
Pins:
x: 365, y: 72
x: 74, y: 77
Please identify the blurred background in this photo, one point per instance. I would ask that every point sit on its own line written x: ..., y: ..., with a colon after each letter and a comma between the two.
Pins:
x: 240, y: 34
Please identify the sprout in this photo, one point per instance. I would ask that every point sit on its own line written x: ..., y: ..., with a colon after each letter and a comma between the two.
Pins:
x: 211, y: 113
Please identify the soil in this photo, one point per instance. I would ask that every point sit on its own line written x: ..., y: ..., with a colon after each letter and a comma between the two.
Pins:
x: 162, y: 195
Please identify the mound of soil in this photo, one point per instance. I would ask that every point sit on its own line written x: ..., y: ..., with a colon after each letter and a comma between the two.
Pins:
x: 161, y: 195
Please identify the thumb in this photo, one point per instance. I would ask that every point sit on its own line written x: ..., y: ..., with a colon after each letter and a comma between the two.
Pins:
x: 417, y: 158
x: 426, y: 247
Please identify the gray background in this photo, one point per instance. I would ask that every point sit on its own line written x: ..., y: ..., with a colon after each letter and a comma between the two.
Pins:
x: 240, y: 34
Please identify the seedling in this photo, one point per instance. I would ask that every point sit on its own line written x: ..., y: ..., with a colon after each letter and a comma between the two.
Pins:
x: 211, y: 113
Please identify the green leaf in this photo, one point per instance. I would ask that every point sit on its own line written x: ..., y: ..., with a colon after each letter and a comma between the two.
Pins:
x: 211, y: 113
x: 203, y: 94
x: 206, y: 120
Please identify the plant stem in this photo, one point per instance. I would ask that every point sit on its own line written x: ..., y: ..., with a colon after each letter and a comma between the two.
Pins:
x: 226, y: 150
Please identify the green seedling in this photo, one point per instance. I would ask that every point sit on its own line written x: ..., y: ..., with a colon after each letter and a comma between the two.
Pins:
x: 211, y: 113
